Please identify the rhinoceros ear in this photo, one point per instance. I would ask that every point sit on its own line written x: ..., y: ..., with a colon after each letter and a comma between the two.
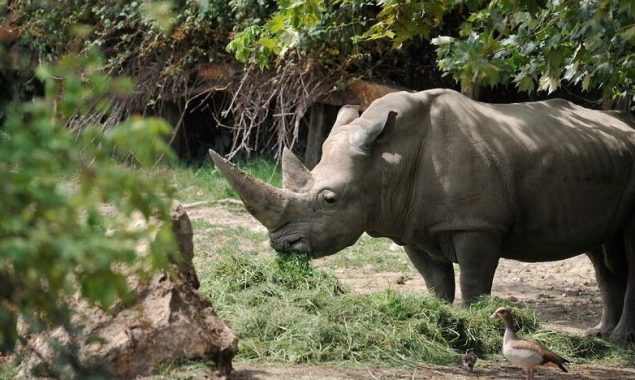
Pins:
x: 362, y: 137
x: 345, y: 115
x: 295, y: 176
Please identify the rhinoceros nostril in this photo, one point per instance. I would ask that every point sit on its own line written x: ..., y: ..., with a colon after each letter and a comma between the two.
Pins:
x: 301, y: 246
x: 291, y: 243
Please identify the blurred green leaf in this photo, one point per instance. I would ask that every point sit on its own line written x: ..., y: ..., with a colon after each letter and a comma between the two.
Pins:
x: 160, y: 12
x: 68, y: 197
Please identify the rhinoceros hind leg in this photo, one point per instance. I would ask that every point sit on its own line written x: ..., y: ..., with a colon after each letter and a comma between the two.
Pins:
x: 612, y: 289
x: 625, y: 329
x: 438, y: 274
x: 477, y: 253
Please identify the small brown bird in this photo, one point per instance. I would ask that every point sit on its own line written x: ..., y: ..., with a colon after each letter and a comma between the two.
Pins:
x: 525, y: 353
x: 469, y: 359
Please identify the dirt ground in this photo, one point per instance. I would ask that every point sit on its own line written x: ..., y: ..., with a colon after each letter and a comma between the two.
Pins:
x: 564, y: 295
x: 486, y: 370
x: 489, y: 370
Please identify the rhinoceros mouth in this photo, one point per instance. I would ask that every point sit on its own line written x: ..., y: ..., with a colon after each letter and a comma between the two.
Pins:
x: 290, y: 243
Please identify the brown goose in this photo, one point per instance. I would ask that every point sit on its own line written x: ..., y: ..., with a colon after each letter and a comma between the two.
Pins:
x: 527, y: 354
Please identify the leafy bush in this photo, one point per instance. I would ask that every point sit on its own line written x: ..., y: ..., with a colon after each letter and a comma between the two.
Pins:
x: 67, y: 200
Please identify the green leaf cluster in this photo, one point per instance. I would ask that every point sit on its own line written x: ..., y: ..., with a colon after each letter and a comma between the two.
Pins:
x: 279, y: 34
x: 534, y: 45
x: 539, y: 46
x: 315, y: 30
x: 401, y: 21
x: 67, y: 200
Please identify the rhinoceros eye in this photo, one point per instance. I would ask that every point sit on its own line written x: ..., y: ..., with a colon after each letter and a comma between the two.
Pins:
x: 328, y: 197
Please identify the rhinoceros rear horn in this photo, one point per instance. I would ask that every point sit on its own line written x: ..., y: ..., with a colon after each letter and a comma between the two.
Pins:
x: 345, y: 115
x: 363, y: 137
x: 295, y: 176
x: 266, y: 203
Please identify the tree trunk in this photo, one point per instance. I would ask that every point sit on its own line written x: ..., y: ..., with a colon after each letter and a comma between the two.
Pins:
x: 316, y: 135
x: 8, y: 319
x: 182, y: 228
x: 471, y: 89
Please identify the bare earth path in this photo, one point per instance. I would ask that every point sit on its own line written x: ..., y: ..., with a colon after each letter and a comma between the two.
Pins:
x: 564, y: 295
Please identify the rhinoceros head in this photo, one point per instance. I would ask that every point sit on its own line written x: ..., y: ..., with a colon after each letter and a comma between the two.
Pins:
x: 322, y: 211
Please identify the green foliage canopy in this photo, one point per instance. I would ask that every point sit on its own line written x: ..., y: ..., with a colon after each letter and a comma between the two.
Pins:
x: 67, y: 202
x: 531, y: 44
x: 315, y: 30
x: 586, y: 43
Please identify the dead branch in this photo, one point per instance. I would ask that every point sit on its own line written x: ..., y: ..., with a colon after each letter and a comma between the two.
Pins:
x: 268, y: 106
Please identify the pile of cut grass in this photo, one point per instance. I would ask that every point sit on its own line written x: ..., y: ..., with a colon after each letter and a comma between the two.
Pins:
x: 285, y: 310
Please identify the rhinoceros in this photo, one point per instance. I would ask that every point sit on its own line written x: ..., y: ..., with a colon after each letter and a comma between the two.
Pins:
x: 454, y: 180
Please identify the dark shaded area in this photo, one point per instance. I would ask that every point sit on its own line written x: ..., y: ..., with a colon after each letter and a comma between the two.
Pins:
x: 317, y: 124
x: 197, y: 127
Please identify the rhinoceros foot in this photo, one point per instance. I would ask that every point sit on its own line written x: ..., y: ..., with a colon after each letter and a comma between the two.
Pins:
x: 602, y: 330
x: 622, y: 334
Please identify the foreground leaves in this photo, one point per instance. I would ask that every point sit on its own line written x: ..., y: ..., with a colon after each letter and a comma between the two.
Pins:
x: 67, y: 200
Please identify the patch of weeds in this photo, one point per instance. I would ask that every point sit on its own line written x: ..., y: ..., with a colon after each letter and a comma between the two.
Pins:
x: 205, y: 183
x: 215, y: 240
x: 264, y: 170
x: 194, y: 184
x: 371, y: 252
x: 224, y: 240
x: 583, y: 349
x: 204, y: 224
x: 294, y: 269
x: 8, y: 371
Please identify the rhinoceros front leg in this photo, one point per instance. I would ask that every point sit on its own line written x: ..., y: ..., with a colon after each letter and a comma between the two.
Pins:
x: 612, y: 288
x: 477, y: 254
x: 437, y: 273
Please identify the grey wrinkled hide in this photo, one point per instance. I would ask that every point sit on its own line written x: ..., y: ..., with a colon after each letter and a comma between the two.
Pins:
x: 458, y: 181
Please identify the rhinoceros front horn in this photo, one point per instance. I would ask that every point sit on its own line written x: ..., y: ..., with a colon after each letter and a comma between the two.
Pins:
x: 266, y: 203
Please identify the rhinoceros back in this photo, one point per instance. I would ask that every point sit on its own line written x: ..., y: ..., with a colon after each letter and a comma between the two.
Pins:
x: 549, y: 176
x: 567, y: 173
